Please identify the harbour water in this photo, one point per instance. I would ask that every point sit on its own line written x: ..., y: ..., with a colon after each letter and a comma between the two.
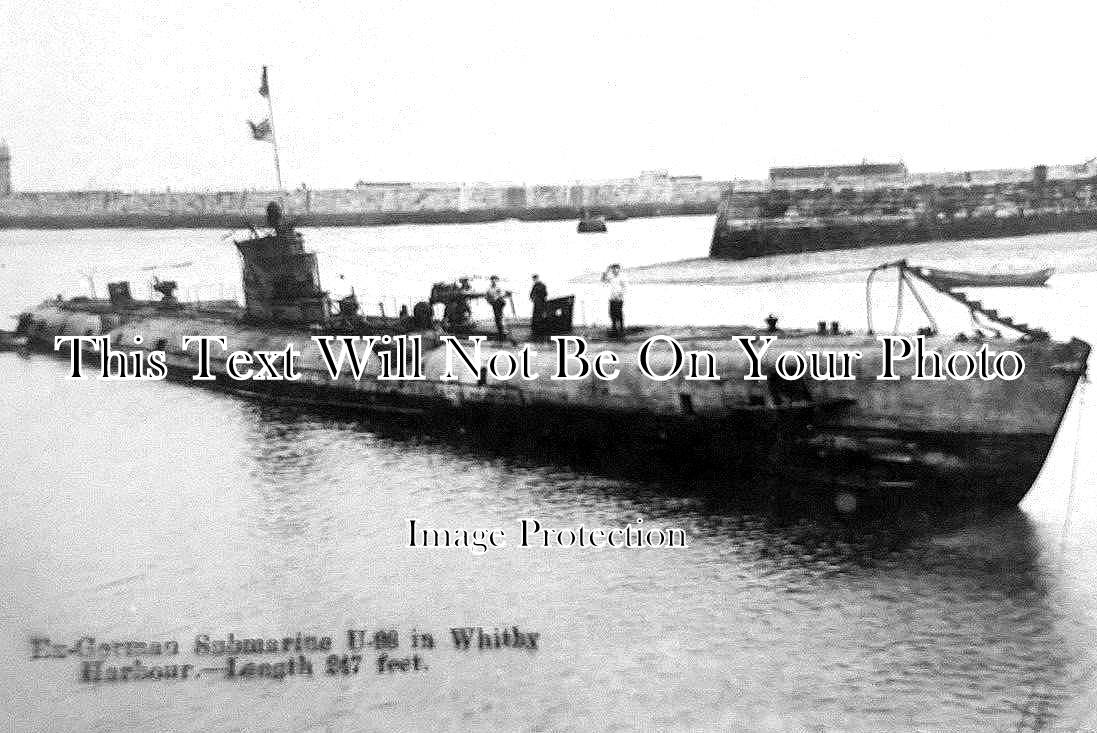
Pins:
x: 153, y: 511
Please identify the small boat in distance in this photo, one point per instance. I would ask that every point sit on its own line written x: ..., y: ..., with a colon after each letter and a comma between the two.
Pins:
x: 952, y: 279
x: 591, y: 223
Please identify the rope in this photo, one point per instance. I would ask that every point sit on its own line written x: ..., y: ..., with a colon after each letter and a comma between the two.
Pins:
x: 922, y: 303
x: 868, y: 299
x: 1039, y: 715
x: 1073, y: 469
x: 899, y: 303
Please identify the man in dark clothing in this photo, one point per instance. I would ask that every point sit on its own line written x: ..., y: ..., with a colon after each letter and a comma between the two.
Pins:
x: 539, y: 295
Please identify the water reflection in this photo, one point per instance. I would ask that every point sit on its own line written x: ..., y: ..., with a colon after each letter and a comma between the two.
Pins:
x: 957, y: 605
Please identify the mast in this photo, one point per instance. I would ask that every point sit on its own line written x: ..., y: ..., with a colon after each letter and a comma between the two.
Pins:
x: 264, y: 90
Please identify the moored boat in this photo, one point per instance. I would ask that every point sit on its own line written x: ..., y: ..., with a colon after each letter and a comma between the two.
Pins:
x: 591, y: 223
x: 952, y: 279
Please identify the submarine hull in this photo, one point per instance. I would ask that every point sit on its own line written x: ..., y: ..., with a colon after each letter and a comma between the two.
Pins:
x: 944, y: 443
x: 747, y: 454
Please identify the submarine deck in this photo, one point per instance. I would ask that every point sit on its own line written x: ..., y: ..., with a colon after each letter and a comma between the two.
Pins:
x: 518, y: 330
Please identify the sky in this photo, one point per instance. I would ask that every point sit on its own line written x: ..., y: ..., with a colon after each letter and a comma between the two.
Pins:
x: 149, y: 96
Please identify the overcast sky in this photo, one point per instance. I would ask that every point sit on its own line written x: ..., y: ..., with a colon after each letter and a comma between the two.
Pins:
x: 152, y: 95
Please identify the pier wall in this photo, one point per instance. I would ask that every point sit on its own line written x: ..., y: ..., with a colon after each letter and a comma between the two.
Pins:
x: 1001, y: 192
x: 366, y: 203
x: 805, y: 214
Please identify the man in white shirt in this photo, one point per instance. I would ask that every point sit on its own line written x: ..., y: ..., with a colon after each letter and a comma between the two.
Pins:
x: 612, y: 278
x: 497, y: 298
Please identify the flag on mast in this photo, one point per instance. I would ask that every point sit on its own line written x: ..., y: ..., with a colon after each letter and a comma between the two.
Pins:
x: 262, y: 130
x: 265, y: 130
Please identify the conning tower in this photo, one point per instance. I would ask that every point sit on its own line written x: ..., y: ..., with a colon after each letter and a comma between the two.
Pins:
x: 281, y: 279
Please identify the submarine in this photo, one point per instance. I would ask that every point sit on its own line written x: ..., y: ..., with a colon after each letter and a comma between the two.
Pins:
x: 892, y: 442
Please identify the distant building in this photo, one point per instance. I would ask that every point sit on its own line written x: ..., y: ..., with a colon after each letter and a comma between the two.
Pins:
x: 515, y: 197
x: 839, y: 171
x: 5, y: 169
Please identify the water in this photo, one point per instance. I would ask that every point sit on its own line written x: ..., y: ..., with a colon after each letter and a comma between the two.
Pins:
x: 151, y: 511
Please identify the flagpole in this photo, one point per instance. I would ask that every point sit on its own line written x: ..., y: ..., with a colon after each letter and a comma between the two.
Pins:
x: 273, y: 136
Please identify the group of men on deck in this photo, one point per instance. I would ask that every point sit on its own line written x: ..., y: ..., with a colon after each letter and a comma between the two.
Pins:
x: 538, y: 295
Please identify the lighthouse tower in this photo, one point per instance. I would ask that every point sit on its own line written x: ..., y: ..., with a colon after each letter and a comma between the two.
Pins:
x: 5, y: 169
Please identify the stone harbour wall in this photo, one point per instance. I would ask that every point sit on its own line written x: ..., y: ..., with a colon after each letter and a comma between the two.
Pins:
x: 367, y: 203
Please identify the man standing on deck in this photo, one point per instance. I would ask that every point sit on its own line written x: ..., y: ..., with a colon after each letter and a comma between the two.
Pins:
x: 612, y: 278
x: 497, y: 297
x: 539, y: 295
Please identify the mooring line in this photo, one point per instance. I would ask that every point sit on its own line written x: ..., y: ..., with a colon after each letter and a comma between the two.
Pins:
x: 1064, y: 532
x: 1040, y: 718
